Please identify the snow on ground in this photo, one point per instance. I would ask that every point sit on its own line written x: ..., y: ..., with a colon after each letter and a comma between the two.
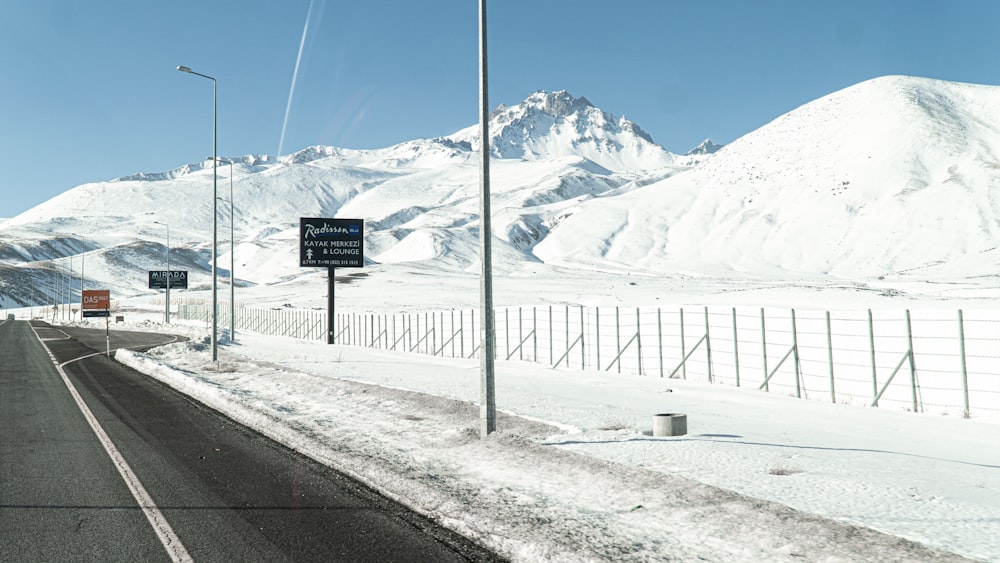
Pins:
x: 574, y: 473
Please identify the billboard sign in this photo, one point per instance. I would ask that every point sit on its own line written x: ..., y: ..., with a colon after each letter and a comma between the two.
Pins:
x: 96, y: 299
x: 158, y: 279
x: 331, y: 243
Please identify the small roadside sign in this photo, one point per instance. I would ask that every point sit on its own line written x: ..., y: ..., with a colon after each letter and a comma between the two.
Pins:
x: 331, y: 243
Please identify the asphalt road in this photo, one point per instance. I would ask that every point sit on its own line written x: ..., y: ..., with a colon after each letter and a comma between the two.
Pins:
x: 209, y: 489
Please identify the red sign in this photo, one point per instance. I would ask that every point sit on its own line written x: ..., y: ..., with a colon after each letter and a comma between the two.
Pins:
x: 97, y: 299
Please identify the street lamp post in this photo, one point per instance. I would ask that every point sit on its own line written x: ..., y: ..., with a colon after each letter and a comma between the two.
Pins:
x: 232, y: 254
x: 215, y: 211
x: 487, y: 404
x: 83, y: 265
x: 56, y: 287
x: 69, y: 290
x: 166, y: 309
x: 232, y: 258
x: 55, y: 278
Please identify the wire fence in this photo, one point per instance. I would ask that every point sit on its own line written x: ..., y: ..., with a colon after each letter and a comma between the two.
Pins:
x: 938, y: 361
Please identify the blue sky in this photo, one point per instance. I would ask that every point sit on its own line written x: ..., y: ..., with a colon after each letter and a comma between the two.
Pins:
x: 89, y: 91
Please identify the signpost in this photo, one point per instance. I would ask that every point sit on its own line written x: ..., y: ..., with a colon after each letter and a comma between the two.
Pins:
x: 97, y: 303
x: 331, y: 243
x: 158, y: 279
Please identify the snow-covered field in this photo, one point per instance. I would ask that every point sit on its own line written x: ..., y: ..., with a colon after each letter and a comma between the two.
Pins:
x: 574, y: 473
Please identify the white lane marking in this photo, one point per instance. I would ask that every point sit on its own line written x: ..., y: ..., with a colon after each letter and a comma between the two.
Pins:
x: 63, y: 337
x: 171, y: 542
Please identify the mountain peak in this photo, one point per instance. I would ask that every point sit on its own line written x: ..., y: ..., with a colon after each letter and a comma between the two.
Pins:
x: 706, y: 147
x: 557, y: 124
x: 556, y: 104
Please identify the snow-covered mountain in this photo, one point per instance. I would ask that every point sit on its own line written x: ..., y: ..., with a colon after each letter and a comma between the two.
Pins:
x: 896, y: 174
x: 419, y: 200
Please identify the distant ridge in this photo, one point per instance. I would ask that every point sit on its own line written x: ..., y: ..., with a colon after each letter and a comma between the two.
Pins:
x: 890, y: 177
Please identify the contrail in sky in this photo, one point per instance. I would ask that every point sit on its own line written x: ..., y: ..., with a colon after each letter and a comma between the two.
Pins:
x: 295, y: 75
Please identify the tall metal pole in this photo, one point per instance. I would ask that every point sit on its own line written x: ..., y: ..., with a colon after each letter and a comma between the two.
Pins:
x: 55, y: 284
x: 59, y: 292
x: 232, y: 259
x: 69, y: 290
x: 215, y: 223
x: 83, y: 265
x: 215, y: 212
x: 487, y: 405
x: 166, y: 309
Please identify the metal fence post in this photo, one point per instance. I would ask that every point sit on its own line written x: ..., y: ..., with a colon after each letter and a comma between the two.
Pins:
x: 534, y: 333
x: 506, y: 330
x: 795, y: 357
x: 829, y: 350
x: 913, y: 364
x: 618, y: 339
x: 638, y: 339
x: 763, y: 345
x: 659, y: 338
x: 583, y: 349
x: 552, y: 338
x: 736, y: 349
x: 871, y: 343
x: 965, y: 373
x: 597, y: 326
x: 520, y: 334
x: 567, y: 335
x: 708, y: 348
x: 684, y: 365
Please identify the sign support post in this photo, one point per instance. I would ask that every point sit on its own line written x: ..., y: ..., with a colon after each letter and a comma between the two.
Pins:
x: 330, y: 306
x: 97, y: 303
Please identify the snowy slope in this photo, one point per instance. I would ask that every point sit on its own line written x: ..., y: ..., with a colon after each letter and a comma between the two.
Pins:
x: 889, y: 175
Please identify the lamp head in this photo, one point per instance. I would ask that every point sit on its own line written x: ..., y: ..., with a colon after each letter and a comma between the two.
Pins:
x: 183, y: 69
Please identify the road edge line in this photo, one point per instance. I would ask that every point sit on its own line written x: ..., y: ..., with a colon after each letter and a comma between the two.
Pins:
x: 171, y: 542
